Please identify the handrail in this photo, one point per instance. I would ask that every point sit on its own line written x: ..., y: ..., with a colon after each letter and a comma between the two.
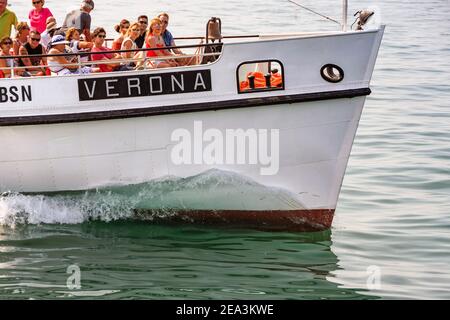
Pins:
x: 80, y: 63
x: 114, y: 61
x: 223, y: 37
x: 203, y: 37
x: 109, y: 52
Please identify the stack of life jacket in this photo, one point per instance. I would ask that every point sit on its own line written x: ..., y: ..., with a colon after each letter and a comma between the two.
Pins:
x: 276, y: 81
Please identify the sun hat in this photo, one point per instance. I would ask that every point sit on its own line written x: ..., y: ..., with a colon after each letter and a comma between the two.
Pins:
x: 50, y: 26
x: 58, y: 39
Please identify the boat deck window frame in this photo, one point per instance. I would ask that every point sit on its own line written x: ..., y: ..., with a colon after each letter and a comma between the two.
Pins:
x: 238, y: 81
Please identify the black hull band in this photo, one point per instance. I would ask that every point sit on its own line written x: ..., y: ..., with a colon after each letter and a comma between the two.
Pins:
x: 181, y: 108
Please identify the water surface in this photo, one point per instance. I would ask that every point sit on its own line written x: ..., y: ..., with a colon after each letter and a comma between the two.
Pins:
x: 393, y: 214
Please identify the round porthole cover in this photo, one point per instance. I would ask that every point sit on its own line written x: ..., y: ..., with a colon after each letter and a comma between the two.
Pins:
x: 332, y: 73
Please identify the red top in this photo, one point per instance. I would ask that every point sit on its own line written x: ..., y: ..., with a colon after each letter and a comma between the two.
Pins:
x: 102, y: 56
x: 152, y: 53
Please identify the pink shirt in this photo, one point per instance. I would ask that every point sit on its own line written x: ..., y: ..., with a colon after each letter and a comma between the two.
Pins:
x: 38, y: 19
x: 101, y: 56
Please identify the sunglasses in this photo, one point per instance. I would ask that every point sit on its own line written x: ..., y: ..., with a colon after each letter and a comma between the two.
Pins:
x: 7, y: 43
x: 101, y: 35
x: 143, y: 22
x: 37, y: 2
x: 35, y: 39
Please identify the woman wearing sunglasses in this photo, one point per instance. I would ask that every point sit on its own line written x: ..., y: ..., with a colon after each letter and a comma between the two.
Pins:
x: 155, y: 40
x: 129, y: 42
x: 102, y: 59
x: 38, y: 15
x: 6, y: 64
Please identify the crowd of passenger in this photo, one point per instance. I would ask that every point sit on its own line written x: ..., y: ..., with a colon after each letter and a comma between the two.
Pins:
x: 72, y: 46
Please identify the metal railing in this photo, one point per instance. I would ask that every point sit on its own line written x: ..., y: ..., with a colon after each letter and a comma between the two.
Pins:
x: 142, y: 61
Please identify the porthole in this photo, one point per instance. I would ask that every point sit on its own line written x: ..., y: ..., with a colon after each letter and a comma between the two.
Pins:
x: 332, y: 73
x: 261, y: 75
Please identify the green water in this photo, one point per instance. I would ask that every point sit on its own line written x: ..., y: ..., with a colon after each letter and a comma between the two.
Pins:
x: 124, y: 260
x: 393, y: 214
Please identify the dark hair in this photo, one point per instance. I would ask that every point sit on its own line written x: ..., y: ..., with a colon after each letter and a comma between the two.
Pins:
x: 119, y: 26
x: 35, y: 32
x: 143, y: 16
x: 97, y: 31
x: 59, y: 31
x: 164, y: 14
x: 4, y: 39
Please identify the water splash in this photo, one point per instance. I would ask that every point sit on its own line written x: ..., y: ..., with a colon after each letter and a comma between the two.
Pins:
x: 211, y: 190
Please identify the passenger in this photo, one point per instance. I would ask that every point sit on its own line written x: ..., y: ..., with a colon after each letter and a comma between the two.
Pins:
x: 143, y: 22
x: 60, y: 64
x: 155, y: 40
x: 80, y: 19
x: 35, y: 66
x: 23, y: 31
x: 77, y: 46
x: 129, y: 43
x: 99, y: 36
x: 7, y: 20
x: 122, y: 29
x: 50, y: 29
x: 168, y: 40
x: 6, y: 65
x: 167, y: 36
x: 39, y: 15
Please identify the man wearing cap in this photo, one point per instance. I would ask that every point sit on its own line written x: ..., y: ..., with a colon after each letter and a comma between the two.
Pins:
x: 80, y: 19
x: 7, y: 20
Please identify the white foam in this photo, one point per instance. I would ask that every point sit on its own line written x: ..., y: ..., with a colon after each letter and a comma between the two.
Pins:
x: 35, y: 209
x: 210, y: 190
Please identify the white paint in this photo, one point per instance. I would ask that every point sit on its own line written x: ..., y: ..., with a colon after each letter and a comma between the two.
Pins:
x: 199, y: 81
x: 159, y: 82
x: 92, y: 90
x: 134, y: 83
x: 315, y: 137
x: 109, y: 87
x: 213, y: 146
x: 179, y: 82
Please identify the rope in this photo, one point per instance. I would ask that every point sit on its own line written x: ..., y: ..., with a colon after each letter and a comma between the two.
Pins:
x: 315, y: 12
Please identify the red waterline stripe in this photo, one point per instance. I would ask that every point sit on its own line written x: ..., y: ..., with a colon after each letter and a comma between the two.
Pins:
x: 270, y: 220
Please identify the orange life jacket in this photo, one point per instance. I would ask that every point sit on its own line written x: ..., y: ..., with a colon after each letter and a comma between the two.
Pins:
x: 276, y: 80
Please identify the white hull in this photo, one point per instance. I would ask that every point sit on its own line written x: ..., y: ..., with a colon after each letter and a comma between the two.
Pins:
x: 315, y: 143
x: 315, y: 137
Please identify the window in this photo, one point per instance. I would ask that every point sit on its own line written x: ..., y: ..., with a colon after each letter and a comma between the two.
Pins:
x: 332, y: 73
x: 258, y: 76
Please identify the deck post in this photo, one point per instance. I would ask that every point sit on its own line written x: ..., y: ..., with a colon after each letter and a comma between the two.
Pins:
x: 344, y: 14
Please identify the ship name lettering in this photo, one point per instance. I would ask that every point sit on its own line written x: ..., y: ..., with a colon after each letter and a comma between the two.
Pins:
x: 15, y: 94
x: 144, y: 85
